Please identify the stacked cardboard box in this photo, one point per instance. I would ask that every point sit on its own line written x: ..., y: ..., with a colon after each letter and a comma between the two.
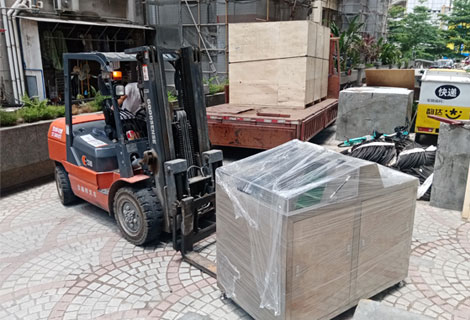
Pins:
x: 305, y: 233
x: 281, y: 64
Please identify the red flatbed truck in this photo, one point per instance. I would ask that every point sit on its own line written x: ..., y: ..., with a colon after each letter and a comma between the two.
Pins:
x: 265, y: 127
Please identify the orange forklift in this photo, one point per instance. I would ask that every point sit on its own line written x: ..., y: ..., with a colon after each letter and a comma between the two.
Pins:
x: 152, y: 170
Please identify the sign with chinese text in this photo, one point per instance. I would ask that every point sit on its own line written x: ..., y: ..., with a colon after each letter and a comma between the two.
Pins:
x: 447, y: 92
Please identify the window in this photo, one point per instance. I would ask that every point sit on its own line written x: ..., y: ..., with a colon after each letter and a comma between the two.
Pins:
x: 32, y: 86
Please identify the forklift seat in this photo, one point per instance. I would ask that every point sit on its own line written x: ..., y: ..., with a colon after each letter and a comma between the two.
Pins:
x: 129, y: 121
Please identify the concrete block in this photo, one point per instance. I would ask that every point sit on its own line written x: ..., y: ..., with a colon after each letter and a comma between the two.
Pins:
x: 368, y: 309
x: 451, y: 167
x: 24, y: 155
x: 215, y: 99
x: 365, y: 109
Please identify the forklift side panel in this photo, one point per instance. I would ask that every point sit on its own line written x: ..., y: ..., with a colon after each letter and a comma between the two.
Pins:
x: 88, y: 192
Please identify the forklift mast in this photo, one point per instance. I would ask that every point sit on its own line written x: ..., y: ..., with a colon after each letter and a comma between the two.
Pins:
x: 179, y: 141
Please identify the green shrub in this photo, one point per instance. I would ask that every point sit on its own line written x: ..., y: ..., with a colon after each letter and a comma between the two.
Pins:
x: 34, y: 103
x: 52, y: 112
x: 60, y: 111
x: 29, y: 114
x: 171, y: 96
x: 8, y: 118
x: 96, y: 105
x: 215, y: 87
x: 33, y: 114
x: 34, y: 110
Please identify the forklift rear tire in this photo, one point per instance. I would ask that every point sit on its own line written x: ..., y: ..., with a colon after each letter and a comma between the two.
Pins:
x: 139, y: 214
x: 64, y: 189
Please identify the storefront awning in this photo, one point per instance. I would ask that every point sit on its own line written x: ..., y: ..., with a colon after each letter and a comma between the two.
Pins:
x: 90, y: 23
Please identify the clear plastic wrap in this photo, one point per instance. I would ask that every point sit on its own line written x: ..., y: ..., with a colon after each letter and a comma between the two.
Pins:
x: 299, y: 226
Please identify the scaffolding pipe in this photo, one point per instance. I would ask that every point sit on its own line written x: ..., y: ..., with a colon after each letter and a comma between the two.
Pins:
x: 211, y: 63
x: 267, y: 10
x: 199, y: 19
x: 226, y: 37
x: 13, y: 75
x: 16, y: 52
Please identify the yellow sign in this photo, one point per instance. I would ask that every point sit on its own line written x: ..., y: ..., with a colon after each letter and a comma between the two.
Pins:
x: 427, y: 125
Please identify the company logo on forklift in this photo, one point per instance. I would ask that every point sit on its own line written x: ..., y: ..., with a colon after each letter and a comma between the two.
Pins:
x: 86, y: 162
x: 447, y: 92
x: 152, y: 124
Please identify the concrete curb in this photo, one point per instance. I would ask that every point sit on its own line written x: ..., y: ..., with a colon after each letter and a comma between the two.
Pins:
x: 24, y: 156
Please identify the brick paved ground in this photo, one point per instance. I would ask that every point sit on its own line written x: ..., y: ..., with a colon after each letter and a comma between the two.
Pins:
x: 70, y: 262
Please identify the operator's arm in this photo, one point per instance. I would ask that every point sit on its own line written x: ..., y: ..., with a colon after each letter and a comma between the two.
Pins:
x: 121, y: 99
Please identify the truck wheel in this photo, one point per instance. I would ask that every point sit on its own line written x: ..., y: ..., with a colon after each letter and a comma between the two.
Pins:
x: 64, y: 189
x: 139, y: 214
x: 417, y: 137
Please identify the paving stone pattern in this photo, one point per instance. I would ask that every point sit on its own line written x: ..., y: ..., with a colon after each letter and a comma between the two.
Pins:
x: 61, y: 262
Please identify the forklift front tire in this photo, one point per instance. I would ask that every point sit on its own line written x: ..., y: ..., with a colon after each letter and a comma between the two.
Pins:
x: 139, y: 214
x: 64, y: 189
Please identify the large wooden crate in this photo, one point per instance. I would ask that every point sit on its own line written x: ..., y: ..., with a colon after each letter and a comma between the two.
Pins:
x: 278, y: 63
x: 290, y: 83
x: 305, y: 233
x: 277, y: 40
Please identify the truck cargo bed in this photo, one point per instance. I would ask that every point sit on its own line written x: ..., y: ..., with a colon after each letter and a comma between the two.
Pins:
x: 264, y: 127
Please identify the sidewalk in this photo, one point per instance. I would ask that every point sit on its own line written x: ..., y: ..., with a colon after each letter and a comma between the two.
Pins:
x: 70, y: 262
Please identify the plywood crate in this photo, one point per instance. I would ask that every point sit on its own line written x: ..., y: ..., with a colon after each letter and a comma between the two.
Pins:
x: 399, y: 78
x: 276, y: 40
x: 277, y: 63
x: 305, y: 233
x: 292, y: 83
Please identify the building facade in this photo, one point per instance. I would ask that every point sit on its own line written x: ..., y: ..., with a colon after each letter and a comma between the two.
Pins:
x: 35, y: 34
x: 435, y: 7
x: 203, y: 23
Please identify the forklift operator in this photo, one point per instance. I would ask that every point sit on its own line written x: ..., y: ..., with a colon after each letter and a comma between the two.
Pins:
x: 131, y: 113
x: 131, y: 100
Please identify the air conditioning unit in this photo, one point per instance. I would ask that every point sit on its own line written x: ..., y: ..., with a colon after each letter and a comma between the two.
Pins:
x: 66, y: 5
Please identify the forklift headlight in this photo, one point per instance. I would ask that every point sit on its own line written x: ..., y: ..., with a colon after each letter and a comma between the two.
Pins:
x: 119, y: 90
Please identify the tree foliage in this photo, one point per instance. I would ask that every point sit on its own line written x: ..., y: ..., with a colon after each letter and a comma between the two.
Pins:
x: 458, y: 22
x: 410, y: 36
x: 414, y: 34
x: 348, y: 42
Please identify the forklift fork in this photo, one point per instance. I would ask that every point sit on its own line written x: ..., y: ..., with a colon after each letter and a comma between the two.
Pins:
x: 191, y: 233
x: 187, y: 214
